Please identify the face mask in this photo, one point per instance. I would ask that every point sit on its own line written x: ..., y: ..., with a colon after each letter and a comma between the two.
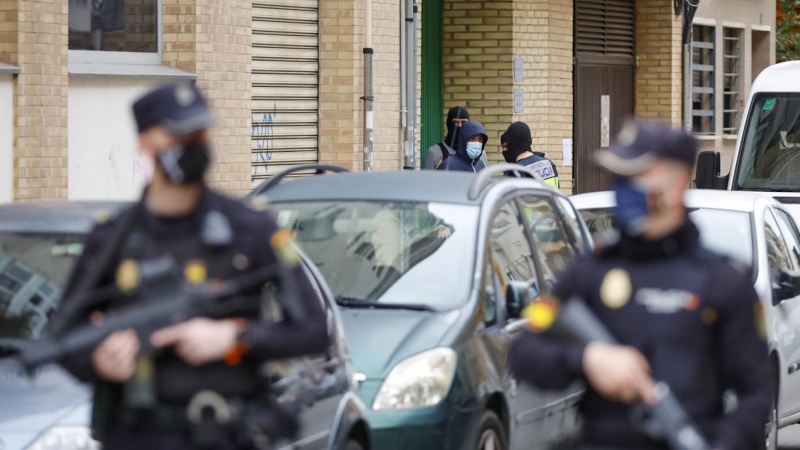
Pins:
x: 185, y: 164
x: 474, y: 149
x: 507, y: 157
x: 631, y: 209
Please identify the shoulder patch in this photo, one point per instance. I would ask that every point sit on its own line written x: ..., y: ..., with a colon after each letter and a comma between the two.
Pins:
x: 543, y: 168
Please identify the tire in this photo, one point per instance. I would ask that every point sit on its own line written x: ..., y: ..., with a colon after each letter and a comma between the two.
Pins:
x: 352, y: 444
x: 492, y: 435
x: 771, y: 430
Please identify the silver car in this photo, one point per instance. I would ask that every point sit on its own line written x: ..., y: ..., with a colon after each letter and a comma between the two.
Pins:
x: 758, y: 231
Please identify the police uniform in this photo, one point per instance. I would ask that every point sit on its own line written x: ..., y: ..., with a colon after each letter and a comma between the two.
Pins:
x: 694, y: 316
x: 519, y: 140
x: 219, y: 239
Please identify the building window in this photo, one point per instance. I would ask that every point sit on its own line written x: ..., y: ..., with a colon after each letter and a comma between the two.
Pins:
x: 732, y: 76
x: 703, y: 73
x: 122, y: 31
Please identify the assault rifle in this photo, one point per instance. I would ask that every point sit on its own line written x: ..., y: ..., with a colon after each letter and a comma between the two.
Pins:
x: 164, y: 308
x: 666, y: 419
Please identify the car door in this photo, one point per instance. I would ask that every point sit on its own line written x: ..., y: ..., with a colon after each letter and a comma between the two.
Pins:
x: 558, y: 238
x: 510, y: 259
x: 786, y: 315
x: 313, y: 385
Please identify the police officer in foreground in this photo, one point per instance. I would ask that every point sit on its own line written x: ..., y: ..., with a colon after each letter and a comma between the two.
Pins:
x: 684, y: 315
x: 181, y: 224
x: 516, y: 143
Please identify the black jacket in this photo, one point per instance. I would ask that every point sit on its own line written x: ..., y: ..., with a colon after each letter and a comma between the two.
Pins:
x: 691, y: 314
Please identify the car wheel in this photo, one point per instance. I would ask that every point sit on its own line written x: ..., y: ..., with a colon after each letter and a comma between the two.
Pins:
x: 491, y: 436
x: 771, y: 432
x: 352, y: 445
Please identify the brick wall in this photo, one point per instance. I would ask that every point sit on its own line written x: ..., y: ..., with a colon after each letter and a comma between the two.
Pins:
x: 40, y: 98
x: 478, y: 42
x: 543, y: 38
x: 9, y: 29
x: 340, y: 82
x: 659, y: 90
x: 388, y: 139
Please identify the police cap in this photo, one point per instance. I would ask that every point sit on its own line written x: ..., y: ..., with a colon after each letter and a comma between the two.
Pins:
x: 179, y: 107
x: 640, y: 144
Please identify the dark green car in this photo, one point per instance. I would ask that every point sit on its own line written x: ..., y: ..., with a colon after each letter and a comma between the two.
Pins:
x: 431, y: 270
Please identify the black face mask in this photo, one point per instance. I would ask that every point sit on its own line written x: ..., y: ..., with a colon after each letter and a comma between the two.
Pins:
x: 185, y: 163
x: 507, y: 156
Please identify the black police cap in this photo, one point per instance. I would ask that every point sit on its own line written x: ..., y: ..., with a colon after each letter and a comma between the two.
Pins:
x: 640, y: 144
x: 180, y: 108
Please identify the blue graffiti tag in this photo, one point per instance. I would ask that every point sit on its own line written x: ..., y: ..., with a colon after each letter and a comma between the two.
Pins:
x: 263, y: 133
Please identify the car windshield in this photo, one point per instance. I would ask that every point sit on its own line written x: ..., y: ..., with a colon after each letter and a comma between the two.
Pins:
x: 770, y: 153
x: 33, y: 270
x: 722, y: 231
x: 388, y: 252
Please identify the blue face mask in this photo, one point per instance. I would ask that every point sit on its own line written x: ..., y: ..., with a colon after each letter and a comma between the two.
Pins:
x: 474, y: 149
x: 631, y: 210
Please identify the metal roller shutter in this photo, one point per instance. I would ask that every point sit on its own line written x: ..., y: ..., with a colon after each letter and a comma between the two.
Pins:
x: 285, y: 77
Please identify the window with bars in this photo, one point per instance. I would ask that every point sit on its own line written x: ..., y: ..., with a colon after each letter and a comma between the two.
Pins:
x: 703, y: 76
x: 732, y: 76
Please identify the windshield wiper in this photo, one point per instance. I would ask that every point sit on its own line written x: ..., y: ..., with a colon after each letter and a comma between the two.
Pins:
x: 353, y: 302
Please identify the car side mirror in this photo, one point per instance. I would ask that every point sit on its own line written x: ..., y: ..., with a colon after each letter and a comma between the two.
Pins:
x: 707, y: 175
x: 518, y: 294
x: 788, y: 287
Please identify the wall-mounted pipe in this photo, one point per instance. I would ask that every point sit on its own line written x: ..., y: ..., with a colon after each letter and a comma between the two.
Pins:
x: 410, y: 156
x: 368, y: 95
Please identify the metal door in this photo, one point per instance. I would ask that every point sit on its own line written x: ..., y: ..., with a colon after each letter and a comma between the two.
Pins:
x: 604, y: 82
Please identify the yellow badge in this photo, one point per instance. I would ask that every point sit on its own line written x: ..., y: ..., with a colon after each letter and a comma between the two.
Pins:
x: 128, y: 276
x: 195, y: 272
x: 541, y: 314
x: 281, y: 242
x: 616, y: 288
x: 761, y: 322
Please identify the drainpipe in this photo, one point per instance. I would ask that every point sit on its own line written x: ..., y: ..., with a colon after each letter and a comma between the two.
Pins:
x: 403, y: 85
x: 368, y: 96
x: 688, y: 16
x: 410, y: 159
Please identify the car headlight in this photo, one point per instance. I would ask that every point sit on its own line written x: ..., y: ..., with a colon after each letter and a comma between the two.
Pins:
x: 66, y: 438
x: 417, y: 381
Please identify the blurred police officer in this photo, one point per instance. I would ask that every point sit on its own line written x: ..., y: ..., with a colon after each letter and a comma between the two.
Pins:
x: 181, y: 222
x: 683, y: 314
x: 517, y: 142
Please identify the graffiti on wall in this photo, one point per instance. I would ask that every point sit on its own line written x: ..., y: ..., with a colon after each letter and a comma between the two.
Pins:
x: 262, y: 133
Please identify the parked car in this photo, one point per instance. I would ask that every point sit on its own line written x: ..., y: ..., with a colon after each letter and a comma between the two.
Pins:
x: 757, y: 231
x: 39, y: 243
x: 428, y: 268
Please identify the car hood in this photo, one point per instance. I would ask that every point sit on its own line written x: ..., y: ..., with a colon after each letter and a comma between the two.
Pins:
x: 380, y: 338
x: 30, y: 406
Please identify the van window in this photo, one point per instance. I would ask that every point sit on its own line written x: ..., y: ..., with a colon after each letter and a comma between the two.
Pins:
x: 770, y: 152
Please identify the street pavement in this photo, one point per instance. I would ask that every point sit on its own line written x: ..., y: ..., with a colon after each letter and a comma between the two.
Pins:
x: 789, y: 438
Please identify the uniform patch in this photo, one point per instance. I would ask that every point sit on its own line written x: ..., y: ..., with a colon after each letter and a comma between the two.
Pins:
x: 103, y: 216
x: 281, y: 242
x: 616, y: 288
x: 541, y: 314
x: 195, y: 272
x: 258, y: 203
x: 709, y: 316
x: 761, y: 322
x: 659, y: 301
x: 542, y: 168
x: 128, y: 277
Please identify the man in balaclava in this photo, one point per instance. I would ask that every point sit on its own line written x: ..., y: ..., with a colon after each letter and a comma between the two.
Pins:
x: 516, y: 143
x: 438, y: 153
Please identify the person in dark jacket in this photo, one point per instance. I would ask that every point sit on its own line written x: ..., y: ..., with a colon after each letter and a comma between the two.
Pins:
x: 516, y: 143
x: 472, y: 141
x: 683, y: 315
x: 192, y: 234
x: 439, y: 153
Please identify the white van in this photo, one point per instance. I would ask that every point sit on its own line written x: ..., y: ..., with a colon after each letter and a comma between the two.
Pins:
x: 767, y: 157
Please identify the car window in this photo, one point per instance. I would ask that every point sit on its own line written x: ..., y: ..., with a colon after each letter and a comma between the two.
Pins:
x: 34, y: 268
x: 777, y: 253
x: 571, y: 218
x: 790, y: 234
x: 552, y: 241
x: 511, y: 257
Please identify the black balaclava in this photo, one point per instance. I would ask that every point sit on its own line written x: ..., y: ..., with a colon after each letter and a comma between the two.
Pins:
x: 518, y: 139
x: 458, y: 112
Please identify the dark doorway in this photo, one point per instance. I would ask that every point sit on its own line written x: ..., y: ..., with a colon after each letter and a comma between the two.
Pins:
x: 604, y: 67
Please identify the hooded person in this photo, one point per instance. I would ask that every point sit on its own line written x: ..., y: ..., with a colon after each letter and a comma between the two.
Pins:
x: 469, y: 155
x: 439, y: 153
x: 516, y: 143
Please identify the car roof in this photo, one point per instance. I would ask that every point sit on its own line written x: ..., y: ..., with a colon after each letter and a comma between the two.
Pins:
x: 68, y: 217
x: 413, y: 186
x: 778, y: 78
x: 694, y: 198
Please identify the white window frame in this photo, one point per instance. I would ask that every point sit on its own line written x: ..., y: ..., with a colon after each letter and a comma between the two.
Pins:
x: 140, y: 58
x: 738, y: 107
x: 699, y: 69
